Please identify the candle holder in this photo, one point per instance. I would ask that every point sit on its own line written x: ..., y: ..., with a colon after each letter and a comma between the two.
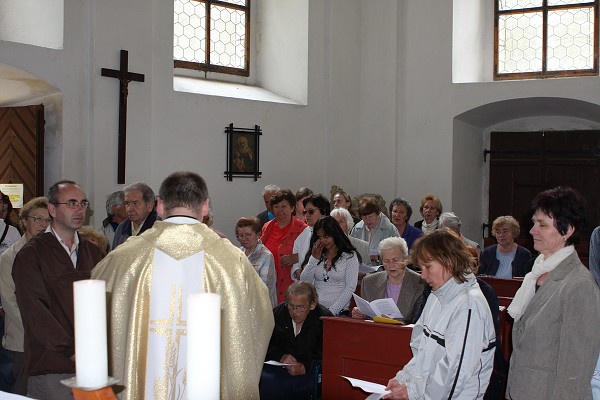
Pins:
x: 84, y: 393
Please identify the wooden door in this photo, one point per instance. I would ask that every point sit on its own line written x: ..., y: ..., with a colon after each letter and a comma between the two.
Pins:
x: 22, y: 148
x: 524, y: 163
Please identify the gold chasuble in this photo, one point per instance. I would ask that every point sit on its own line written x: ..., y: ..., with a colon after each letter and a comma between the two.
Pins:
x: 146, y: 310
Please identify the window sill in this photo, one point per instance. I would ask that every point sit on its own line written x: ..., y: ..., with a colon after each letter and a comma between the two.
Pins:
x: 226, y: 89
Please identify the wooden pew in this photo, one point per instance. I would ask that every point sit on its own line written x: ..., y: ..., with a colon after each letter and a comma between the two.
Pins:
x: 503, y: 287
x: 361, y: 349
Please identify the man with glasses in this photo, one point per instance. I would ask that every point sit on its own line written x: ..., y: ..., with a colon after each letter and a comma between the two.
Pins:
x: 139, y: 201
x: 44, y: 271
x: 297, y: 341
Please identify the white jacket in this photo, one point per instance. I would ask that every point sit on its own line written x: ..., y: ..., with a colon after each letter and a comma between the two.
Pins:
x: 452, y: 344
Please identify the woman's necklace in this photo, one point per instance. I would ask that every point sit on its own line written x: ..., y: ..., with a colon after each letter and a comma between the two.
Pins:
x: 327, y: 264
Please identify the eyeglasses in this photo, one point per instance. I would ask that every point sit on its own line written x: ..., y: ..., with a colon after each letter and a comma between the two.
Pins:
x: 296, y: 307
x: 244, y: 235
x: 74, y: 204
x: 309, y: 211
x: 38, y: 219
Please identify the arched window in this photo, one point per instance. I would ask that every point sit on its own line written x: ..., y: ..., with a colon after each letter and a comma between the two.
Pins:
x: 212, y: 35
x: 545, y: 38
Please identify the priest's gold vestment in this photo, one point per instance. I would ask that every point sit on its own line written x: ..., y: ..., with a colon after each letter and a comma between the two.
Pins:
x: 247, y: 317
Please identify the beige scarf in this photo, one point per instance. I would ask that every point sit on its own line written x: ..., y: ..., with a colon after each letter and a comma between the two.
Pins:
x: 527, y: 289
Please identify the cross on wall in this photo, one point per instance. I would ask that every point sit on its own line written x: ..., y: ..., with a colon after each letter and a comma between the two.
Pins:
x: 124, y: 77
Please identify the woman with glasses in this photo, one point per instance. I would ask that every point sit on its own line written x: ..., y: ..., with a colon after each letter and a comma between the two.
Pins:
x: 278, y: 236
x: 331, y: 265
x: 247, y: 232
x: 297, y: 341
x: 315, y: 206
x: 397, y: 282
x: 34, y: 219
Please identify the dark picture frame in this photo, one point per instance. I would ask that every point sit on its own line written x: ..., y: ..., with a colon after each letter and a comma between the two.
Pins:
x: 243, y: 145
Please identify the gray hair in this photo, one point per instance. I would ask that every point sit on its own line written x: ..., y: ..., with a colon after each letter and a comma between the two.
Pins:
x: 147, y: 192
x: 343, y: 213
x: 391, y: 243
x: 451, y: 221
x: 270, y: 189
x: 114, y: 199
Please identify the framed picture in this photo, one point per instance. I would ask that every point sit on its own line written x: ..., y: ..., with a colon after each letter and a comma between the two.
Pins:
x: 243, y: 152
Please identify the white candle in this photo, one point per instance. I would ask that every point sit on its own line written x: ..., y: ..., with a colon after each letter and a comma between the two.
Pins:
x: 91, y: 359
x: 203, y: 346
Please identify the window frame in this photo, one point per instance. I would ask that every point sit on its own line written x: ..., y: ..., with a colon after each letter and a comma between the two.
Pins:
x: 207, y: 66
x: 544, y: 73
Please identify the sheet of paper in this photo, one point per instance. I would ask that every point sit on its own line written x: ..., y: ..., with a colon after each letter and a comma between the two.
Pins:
x: 386, y: 306
x: 276, y: 363
x: 368, y: 387
x: 10, y: 396
x: 364, y: 306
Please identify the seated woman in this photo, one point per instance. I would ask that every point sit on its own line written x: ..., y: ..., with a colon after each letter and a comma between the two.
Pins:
x: 505, y: 259
x: 396, y: 282
x: 400, y: 212
x: 297, y: 340
x: 373, y: 228
x: 314, y: 207
x: 453, y: 341
x: 344, y: 218
x: 431, y: 208
x: 247, y: 232
x: 332, y: 266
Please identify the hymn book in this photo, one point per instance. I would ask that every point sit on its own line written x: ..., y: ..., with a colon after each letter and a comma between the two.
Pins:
x: 377, y: 308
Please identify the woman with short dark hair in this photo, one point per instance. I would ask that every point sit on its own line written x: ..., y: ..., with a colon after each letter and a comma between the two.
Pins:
x: 400, y: 213
x: 556, y: 310
x: 278, y: 236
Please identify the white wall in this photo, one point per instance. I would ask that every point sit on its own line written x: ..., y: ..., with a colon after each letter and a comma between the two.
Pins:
x: 381, y: 114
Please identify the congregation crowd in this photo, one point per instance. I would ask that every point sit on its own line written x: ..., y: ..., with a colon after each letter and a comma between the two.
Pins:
x: 307, y: 254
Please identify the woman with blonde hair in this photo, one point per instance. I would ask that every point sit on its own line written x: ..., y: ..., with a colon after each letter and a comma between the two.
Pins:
x: 431, y: 208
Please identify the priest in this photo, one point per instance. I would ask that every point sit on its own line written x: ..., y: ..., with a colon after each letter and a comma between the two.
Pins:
x: 148, y: 279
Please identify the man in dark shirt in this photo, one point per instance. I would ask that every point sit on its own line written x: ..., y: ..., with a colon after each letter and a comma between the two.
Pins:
x: 297, y: 341
x: 139, y: 200
x: 44, y: 272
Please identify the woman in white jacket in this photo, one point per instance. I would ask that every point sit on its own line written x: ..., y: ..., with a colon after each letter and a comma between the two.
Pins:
x: 453, y: 341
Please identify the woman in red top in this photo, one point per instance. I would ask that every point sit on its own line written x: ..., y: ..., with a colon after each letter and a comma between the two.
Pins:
x: 278, y: 236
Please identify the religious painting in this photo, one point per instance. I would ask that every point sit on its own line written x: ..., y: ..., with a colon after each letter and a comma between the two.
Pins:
x: 242, y: 152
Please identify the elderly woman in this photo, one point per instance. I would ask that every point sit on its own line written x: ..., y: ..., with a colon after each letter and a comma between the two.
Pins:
x: 332, y: 266
x: 247, y: 232
x: 431, y: 208
x: 557, y: 309
x: 314, y: 207
x: 373, y: 228
x: 279, y: 234
x: 505, y: 259
x: 34, y: 219
x: 344, y: 218
x: 397, y: 282
x: 400, y: 211
x: 453, y: 341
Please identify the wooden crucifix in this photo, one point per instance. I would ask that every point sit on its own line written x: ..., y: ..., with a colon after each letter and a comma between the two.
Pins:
x: 124, y: 78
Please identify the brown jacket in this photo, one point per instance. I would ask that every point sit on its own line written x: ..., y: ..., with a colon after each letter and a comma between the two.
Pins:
x: 44, y: 276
